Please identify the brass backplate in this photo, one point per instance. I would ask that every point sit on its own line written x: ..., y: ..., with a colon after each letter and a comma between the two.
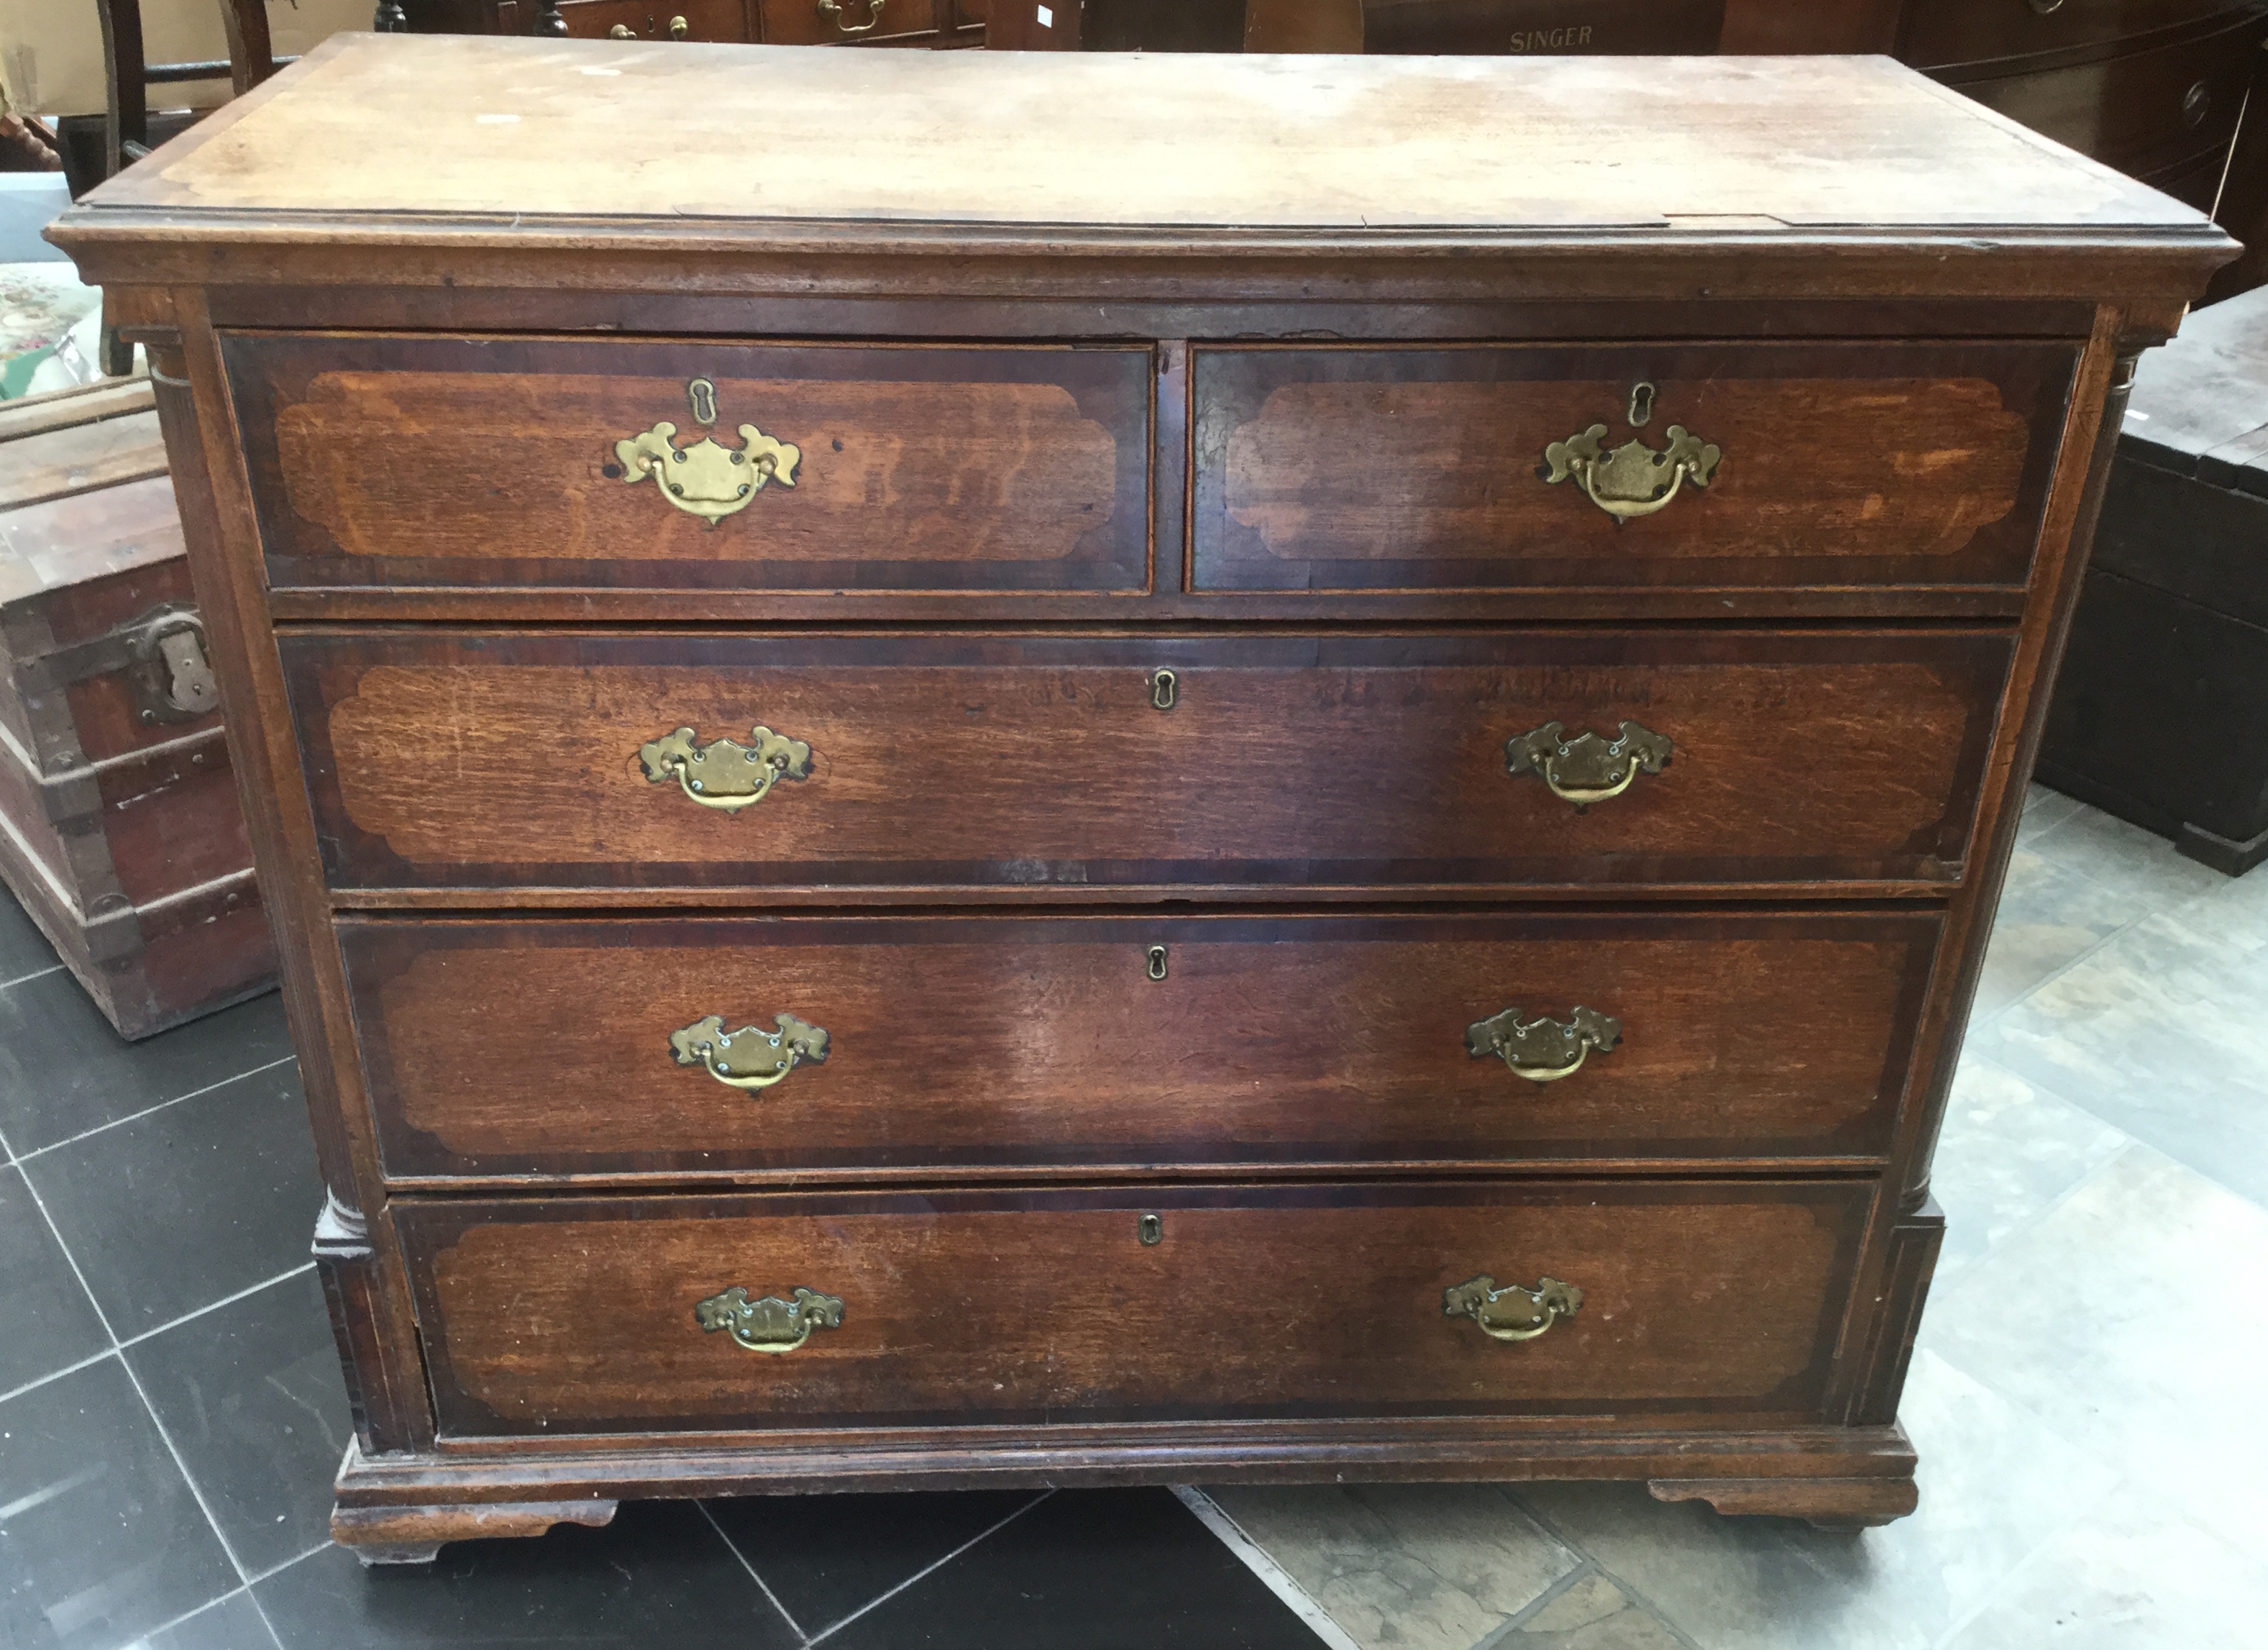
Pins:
x: 748, y: 1058
x: 707, y: 479
x: 1542, y: 1050
x: 1588, y: 768
x: 724, y: 773
x: 770, y: 1324
x: 1513, y: 1313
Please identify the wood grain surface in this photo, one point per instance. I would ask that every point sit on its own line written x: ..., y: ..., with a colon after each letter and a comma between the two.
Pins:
x: 576, y: 1314
x: 388, y: 460
x: 1362, y: 468
x: 975, y: 761
x: 1004, y: 1042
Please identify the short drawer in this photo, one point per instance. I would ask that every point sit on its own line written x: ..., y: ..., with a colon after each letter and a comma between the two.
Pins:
x: 1801, y: 465
x: 664, y: 20
x: 1939, y: 33
x: 598, y: 1315
x: 1006, y: 1043
x: 389, y: 462
x: 503, y: 760
x: 846, y: 22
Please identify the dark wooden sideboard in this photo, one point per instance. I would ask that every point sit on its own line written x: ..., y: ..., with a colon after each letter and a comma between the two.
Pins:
x: 1127, y: 775
x: 932, y: 23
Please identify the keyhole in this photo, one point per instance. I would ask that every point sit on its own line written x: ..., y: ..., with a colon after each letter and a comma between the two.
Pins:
x: 1163, y: 687
x: 1157, y: 963
x: 702, y: 394
x: 1150, y: 1229
x: 1641, y: 404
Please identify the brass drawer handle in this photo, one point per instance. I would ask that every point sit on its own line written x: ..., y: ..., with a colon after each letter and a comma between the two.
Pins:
x: 832, y: 10
x: 705, y: 479
x: 1631, y: 480
x: 1512, y: 1313
x: 748, y: 1058
x: 725, y: 773
x: 1541, y: 1049
x: 1586, y: 768
x: 771, y: 1324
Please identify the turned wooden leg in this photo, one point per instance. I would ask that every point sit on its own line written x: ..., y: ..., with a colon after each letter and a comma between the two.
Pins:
x: 414, y: 1534
x: 1825, y: 1503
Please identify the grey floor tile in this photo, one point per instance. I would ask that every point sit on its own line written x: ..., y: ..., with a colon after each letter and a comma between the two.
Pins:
x: 1094, y: 1569
x: 170, y: 1213
x: 46, y: 1323
x: 2132, y: 1319
x: 64, y: 1070
x: 1428, y: 1566
x: 252, y: 1396
x: 658, y: 1575
x: 2008, y: 1150
x: 2133, y: 1575
x: 2164, y: 1033
x: 233, y: 1622
x: 1996, y: 1485
x: 824, y: 1556
x: 2044, y: 810
x: 24, y: 949
x: 1593, y: 1614
x: 100, y: 1538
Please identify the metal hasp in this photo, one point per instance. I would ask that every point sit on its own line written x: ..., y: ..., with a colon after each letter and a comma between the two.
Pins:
x: 706, y: 479
x: 1512, y: 1313
x: 1631, y: 480
x: 748, y: 1058
x: 1586, y: 768
x: 771, y: 1324
x: 1542, y: 1050
x: 724, y: 773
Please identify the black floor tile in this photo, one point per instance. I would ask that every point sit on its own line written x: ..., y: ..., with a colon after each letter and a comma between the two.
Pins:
x: 46, y: 1323
x: 251, y: 1395
x: 658, y: 1575
x: 232, y: 1624
x: 64, y: 1070
x: 100, y: 1539
x: 1099, y: 1569
x: 823, y: 1556
x: 172, y: 1211
x: 24, y: 949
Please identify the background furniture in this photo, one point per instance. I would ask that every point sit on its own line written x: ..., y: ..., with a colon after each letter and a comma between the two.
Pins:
x: 2161, y: 712
x: 1208, y: 845
x: 120, y: 829
x: 931, y: 23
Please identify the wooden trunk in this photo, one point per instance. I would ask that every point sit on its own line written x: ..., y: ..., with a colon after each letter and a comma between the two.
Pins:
x: 119, y: 828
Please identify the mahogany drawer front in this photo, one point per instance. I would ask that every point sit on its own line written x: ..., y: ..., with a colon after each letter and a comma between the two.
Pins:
x: 664, y: 20
x: 1373, y: 469
x: 577, y: 1315
x: 2142, y: 111
x: 500, y: 759
x: 383, y: 461
x: 846, y: 22
x: 1021, y: 1042
x: 1940, y: 34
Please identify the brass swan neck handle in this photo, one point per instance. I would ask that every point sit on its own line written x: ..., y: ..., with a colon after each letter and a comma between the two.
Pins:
x: 748, y: 1058
x: 1542, y: 1050
x: 1586, y: 768
x: 724, y: 773
x: 771, y: 1324
x: 1513, y: 1313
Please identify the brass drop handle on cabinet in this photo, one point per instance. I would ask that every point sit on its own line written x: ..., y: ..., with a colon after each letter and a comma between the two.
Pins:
x: 748, y: 1058
x: 1513, y: 1313
x: 832, y: 10
x: 724, y: 773
x: 1542, y: 1050
x: 771, y: 1324
x: 679, y: 28
x: 1633, y: 479
x: 706, y: 479
x: 621, y: 31
x: 1586, y: 768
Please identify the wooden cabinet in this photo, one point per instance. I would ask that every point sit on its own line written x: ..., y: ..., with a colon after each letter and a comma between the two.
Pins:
x: 1122, y: 773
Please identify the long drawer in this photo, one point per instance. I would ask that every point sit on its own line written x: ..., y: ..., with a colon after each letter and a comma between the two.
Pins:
x: 387, y: 461
x: 1725, y: 467
x: 1939, y: 33
x: 567, y: 1047
x: 876, y: 761
x: 598, y: 1315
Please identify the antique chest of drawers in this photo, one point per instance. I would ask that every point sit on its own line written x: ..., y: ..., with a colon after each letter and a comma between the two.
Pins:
x: 1257, y: 769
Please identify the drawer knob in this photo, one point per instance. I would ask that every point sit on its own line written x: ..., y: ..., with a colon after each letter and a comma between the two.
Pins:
x: 771, y: 1324
x: 748, y: 1058
x: 832, y: 10
x: 1541, y: 1049
x: 1586, y: 768
x: 707, y: 479
x: 1632, y: 479
x: 726, y: 774
x: 1512, y: 1313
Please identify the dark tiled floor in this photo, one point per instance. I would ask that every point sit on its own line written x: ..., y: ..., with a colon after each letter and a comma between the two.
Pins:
x: 171, y: 1411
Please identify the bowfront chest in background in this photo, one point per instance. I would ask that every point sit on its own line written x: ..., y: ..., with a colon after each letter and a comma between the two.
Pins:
x: 1261, y: 768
